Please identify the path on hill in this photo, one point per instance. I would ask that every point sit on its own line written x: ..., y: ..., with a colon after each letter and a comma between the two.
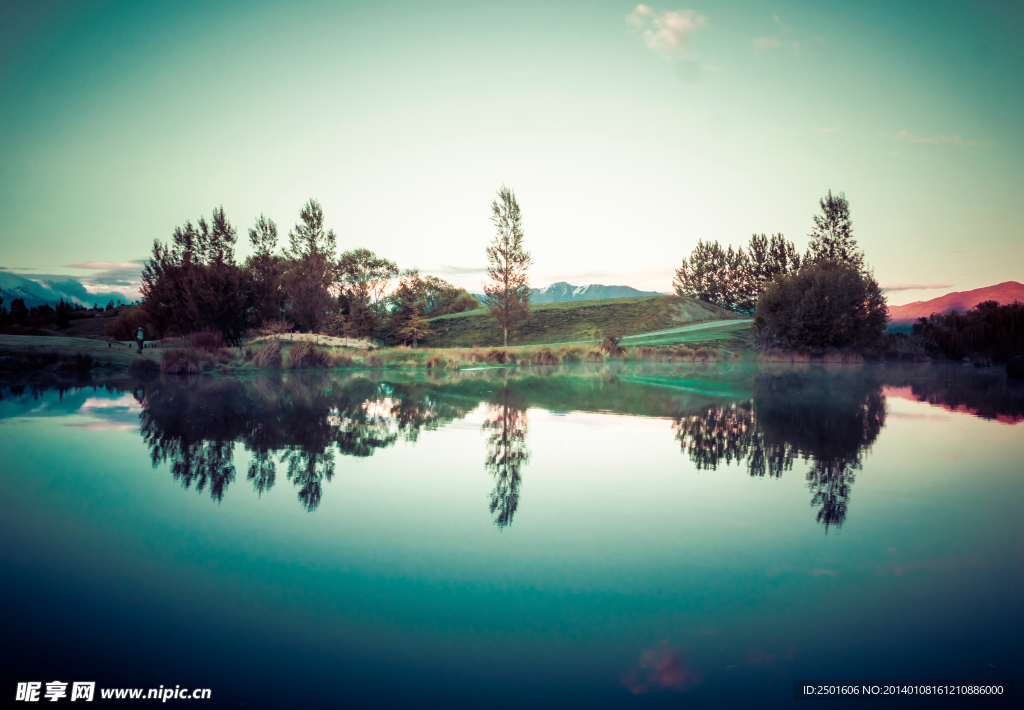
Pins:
x: 706, y: 325
x: 689, y: 328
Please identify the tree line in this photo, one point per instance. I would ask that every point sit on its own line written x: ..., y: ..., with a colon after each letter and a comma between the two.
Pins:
x: 825, y: 298
x: 195, y: 283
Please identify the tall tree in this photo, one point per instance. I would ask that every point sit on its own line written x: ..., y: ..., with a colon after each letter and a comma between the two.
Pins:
x: 263, y: 273
x: 832, y: 236
x: 508, y: 291
x: 311, y: 268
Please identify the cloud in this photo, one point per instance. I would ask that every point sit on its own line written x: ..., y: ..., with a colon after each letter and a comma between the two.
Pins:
x: 903, y: 135
x: 819, y: 131
x: 779, y: 39
x: 665, y: 32
x: 72, y: 288
x: 912, y: 287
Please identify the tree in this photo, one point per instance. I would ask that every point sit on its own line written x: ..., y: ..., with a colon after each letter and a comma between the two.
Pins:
x: 364, y: 280
x: 717, y: 276
x: 19, y: 313
x: 263, y: 273
x: 825, y: 304
x: 832, y: 236
x: 409, y: 317
x: 193, y: 283
x: 311, y: 268
x: 442, y: 298
x: 508, y: 292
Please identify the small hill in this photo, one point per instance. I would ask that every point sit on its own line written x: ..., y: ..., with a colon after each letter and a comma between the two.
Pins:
x: 960, y: 301
x: 575, y: 321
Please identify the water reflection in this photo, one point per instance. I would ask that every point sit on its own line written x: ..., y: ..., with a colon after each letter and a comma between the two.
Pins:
x: 303, y: 421
x: 771, y: 421
x: 507, y: 453
x: 829, y: 419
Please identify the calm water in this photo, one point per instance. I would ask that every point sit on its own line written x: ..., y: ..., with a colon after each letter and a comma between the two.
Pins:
x: 638, y: 537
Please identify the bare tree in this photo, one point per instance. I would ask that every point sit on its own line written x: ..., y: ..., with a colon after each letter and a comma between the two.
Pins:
x: 508, y: 291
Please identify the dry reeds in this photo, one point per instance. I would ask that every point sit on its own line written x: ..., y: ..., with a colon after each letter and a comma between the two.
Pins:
x: 374, y: 361
x: 437, y: 361
x: 305, y: 356
x: 593, y: 356
x: 705, y: 354
x: 611, y: 348
x: 545, y: 357
x: 683, y: 354
x: 269, y: 356
x: 187, y: 361
x: 500, y: 357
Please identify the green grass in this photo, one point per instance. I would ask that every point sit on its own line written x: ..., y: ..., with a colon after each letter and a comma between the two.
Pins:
x: 574, y: 321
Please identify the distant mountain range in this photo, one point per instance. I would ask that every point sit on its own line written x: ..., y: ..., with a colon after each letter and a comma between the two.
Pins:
x: 960, y: 301
x: 562, y: 291
x: 13, y: 286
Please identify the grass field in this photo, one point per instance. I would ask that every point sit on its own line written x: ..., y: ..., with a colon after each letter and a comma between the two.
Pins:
x: 576, y: 321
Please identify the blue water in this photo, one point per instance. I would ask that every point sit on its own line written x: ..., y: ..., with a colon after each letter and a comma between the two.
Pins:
x: 622, y: 537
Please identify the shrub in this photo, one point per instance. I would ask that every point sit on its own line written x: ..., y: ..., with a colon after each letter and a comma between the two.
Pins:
x: 545, y: 357
x: 144, y: 366
x: 682, y: 354
x: 571, y: 355
x: 437, y: 361
x: 305, y: 355
x: 498, y: 356
x: 611, y: 347
x: 989, y: 329
x: 187, y: 361
x: 823, y: 305
x: 374, y: 361
x: 269, y: 355
x: 207, y: 340
x: 594, y: 356
x: 127, y: 323
x: 705, y: 354
x: 247, y: 354
x: 340, y: 360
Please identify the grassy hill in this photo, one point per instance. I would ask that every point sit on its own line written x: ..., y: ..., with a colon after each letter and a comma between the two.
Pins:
x: 574, y: 321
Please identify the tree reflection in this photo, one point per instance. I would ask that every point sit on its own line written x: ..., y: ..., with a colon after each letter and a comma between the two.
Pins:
x: 298, y: 421
x: 827, y: 419
x: 506, y: 427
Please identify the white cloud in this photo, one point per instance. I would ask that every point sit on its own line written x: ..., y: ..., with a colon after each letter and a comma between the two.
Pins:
x: 819, y: 131
x: 912, y: 287
x: 903, y: 135
x: 779, y: 39
x: 665, y: 32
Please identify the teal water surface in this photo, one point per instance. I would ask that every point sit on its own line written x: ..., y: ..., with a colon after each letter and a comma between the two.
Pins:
x: 610, y: 536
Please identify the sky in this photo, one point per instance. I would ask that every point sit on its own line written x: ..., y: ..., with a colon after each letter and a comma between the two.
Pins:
x: 627, y: 131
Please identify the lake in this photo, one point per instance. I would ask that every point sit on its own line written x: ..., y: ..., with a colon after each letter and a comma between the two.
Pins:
x: 617, y: 535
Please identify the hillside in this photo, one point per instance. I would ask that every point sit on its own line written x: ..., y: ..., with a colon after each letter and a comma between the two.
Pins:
x: 960, y: 301
x: 575, y: 321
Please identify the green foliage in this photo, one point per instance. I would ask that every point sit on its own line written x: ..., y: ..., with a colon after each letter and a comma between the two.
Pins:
x: 311, y: 269
x: 409, y: 317
x: 989, y: 329
x: 263, y: 270
x: 193, y: 283
x: 824, y: 305
x: 508, y: 288
x: 442, y: 298
x: 364, y: 280
x: 832, y: 236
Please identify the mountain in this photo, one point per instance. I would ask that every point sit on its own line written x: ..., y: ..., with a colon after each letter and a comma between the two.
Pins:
x: 561, y: 291
x: 960, y: 301
x: 13, y: 286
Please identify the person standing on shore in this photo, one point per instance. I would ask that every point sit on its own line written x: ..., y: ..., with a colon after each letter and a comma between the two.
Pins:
x: 139, y: 337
